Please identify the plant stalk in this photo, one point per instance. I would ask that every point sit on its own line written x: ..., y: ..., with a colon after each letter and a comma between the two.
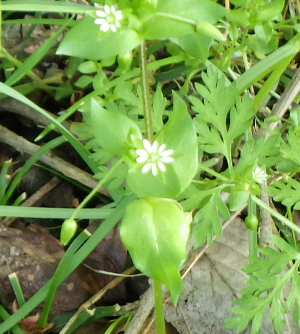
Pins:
x: 145, y: 92
x: 159, y: 307
x: 95, y: 190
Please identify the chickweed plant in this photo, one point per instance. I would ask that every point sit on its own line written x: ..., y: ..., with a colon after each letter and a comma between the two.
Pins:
x: 157, y: 147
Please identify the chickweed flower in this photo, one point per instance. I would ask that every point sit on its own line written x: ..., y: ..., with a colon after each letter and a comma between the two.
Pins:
x: 109, y: 18
x: 154, y: 157
x: 259, y: 175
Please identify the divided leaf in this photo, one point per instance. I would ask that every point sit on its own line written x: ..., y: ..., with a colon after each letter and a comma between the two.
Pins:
x: 215, y: 135
x: 208, y: 220
x: 268, y: 278
x: 155, y: 231
x: 286, y: 193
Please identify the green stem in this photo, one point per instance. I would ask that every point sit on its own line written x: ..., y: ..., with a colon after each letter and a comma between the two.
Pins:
x: 95, y: 190
x: 212, y: 172
x: 252, y: 235
x: 275, y: 214
x: 145, y: 90
x: 159, y: 307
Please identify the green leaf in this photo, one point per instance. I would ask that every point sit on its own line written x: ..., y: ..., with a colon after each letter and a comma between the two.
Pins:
x: 195, y: 44
x: 291, y: 148
x: 207, y: 220
x: 155, y: 232
x: 204, y: 10
x: 212, y: 114
x: 253, y: 153
x: 180, y: 172
x: 111, y: 129
x: 288, y: 193
x: 237, y: 199
x: 265, y: 288
x: 82, y: 41
x: 177, y: 18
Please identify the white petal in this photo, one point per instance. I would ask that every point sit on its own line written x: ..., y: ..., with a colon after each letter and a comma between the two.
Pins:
x: 142, y: 153
x: 154, y: 170
x: 147, y: 145
x: 146, y: 168
x: 166, y: 159
x: 107, y: 9
x: 118, y: 15
x: 113, y: 10
x: 117, y: 24
x: 154, y: 147
x: 161, y: 149
x: 141, y: 159
x: 161, y: 166
x: 113, y: 28
x: 99, y: 21
x: 104, y: 27
x: 167, y: 152
x: 100, y: 13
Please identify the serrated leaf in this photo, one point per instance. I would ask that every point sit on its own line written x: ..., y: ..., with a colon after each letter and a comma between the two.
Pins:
x: 220, y: 101
x: 252, y: 152
x: 291, y: 148
x: 155, y: 232
x: 209, y: 225
x: 286, y: 193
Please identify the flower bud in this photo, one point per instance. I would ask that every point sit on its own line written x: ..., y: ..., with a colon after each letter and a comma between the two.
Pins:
x: 68, y: 230
x: 209, y: 30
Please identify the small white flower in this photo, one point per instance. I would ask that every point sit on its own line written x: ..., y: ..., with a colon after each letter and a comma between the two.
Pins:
x: 259, y: 175
x: 154, y: 157
x: 109, y: 18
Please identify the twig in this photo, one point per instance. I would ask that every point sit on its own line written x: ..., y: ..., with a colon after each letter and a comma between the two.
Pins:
x: 9, y: 104
x: 95, y: 298
x: 73, y: 172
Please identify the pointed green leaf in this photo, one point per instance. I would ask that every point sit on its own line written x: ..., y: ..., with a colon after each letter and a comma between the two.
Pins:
x: 111, y: 129
x: 82, y: 41
x: 155, y: 232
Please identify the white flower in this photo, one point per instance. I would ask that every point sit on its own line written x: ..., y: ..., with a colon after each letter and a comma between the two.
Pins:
x: 109, y: 18
x: 259, y: 175
x: 154, y: 157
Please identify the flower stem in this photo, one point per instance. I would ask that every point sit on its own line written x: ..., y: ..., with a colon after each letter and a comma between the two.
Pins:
x: 145, y: 92
x: 159, y: 307
x: 275, y: 214
x: 94, y: 191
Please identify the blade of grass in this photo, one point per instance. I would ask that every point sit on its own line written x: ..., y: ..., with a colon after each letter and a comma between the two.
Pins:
x: 4, y: 178
x: 45, y: 6
x: 58, y: 275
x: 266, y: 65
x: 4, y: 315
x: 79, y: 256
x: 269, y: 84
x: 54, y: 213
x: 14, y: 281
